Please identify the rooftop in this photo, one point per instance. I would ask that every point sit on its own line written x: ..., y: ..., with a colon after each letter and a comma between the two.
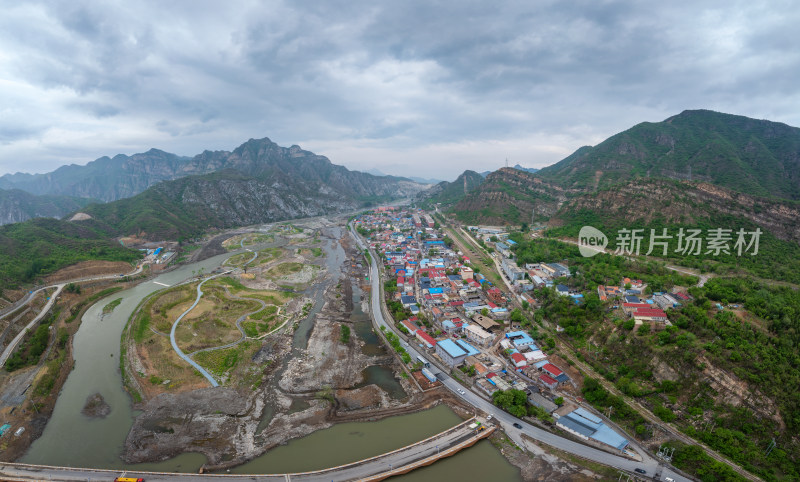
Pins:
x: 452, y: 348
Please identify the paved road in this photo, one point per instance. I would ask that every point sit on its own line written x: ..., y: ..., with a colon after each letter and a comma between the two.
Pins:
x: 11, y: 346
x: 419, y: 453
x: 177, y: 349
x: 506, y: 420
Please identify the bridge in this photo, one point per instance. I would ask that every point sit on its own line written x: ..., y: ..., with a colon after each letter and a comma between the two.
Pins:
x: 396, y: 462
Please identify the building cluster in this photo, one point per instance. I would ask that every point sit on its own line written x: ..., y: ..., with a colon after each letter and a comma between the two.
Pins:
x: 454, y: 313
x: 642, y: 308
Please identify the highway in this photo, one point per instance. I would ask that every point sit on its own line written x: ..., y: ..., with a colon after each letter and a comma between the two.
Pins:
x: 648, y: 464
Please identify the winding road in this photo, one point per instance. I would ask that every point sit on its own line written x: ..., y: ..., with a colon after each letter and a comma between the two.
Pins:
x: 175, y: 346
x: 188, y: 358
x: 4, y: 356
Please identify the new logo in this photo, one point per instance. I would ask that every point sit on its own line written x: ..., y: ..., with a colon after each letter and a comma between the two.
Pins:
x: 591, y: 241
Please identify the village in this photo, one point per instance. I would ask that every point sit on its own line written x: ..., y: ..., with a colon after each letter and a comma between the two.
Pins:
x: 474, y: 328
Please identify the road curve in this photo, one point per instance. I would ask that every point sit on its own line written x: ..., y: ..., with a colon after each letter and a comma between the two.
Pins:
x: 180, y: 352
x: 11, y: 346
x: 649, y: 465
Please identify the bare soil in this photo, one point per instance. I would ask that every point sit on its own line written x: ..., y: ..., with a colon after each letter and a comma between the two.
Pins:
x: 88, y: 269
x: 222, y: 423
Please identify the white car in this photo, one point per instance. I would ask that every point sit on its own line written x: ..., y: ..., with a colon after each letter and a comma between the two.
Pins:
x: 462, y: 392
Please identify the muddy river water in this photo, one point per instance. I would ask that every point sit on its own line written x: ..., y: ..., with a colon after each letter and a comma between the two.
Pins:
x: 72, y: 439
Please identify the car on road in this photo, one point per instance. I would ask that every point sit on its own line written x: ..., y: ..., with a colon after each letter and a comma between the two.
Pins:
x: 462, y: 392
x: 516, y: 425
x: 641, y: 471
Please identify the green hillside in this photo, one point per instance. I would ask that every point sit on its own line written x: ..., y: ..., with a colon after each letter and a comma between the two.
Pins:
x: 752, y: 156
x: 42, y: 246
x: 447, y: 193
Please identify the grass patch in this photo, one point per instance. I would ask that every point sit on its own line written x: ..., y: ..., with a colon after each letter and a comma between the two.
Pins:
x: 284, y: 269
x: 111, y: 305
x: 220, y: 362
x: 344, y: 336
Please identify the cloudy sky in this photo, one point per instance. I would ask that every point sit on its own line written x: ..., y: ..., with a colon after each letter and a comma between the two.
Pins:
x: 410, y: 87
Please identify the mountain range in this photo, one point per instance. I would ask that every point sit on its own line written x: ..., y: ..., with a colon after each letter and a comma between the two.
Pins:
x: 257, y: 182
x: 754, y: 157
x: 260, y: 160
x: 699, y: 168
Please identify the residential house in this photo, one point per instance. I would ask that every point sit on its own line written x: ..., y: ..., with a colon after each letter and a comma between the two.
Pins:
x: 478, y: 335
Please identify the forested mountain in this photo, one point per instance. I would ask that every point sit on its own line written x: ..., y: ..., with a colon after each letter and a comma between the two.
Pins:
x: 45, y: 245
x: 510, y: 196
x: 452, y: 192
x: 17, y: 205
x: 192, y: 205
x: 752, y: 156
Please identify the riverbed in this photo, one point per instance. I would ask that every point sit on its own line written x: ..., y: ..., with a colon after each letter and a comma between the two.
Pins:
x: 73, y: 439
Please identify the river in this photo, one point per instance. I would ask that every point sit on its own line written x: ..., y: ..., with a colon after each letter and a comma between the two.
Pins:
x: 72, y: 439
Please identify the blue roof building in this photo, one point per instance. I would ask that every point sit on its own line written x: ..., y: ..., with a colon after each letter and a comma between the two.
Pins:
x: 587, y: 425
x: 471, y: 350
x: 450, y: 352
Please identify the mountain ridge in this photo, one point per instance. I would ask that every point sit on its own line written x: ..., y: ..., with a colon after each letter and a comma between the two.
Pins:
x: 122, y: 176
x: 752, y: 156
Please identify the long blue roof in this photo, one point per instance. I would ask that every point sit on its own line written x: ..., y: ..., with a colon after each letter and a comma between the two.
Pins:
x: 471, y: 350
x: 451, y: 348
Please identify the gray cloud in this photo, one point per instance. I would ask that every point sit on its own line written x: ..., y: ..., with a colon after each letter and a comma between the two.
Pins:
x: 438, y: 87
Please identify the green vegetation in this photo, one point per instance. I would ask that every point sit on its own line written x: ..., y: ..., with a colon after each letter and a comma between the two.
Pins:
x: 76, y: 310
x: 219, y: 362
x: 285, y: 269
x: 33, y: 345
x: 776, y: 259
x: 394, y: 341
x: 111, y: 305
x: 757, y: 348
x: 452, y: 192
x: 344, y: 337
x: 719, y: 148
x: 41, y: 246
x: 516, y: 403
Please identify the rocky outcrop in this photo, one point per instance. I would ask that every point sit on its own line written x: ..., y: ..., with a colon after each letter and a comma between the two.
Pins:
x: 510, y: 196
x: 17, y: 206
x: 687, y: 202
x: 122, y: 176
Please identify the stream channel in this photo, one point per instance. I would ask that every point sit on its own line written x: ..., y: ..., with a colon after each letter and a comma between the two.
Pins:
x: 74, y: 440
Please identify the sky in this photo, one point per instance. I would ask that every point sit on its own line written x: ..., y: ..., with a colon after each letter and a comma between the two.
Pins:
x: 414, y: 88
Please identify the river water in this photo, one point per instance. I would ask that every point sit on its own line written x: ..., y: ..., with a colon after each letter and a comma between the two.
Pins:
x: 74, y: 440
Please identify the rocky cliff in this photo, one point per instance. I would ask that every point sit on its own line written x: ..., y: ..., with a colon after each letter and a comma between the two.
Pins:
x: 110, y: 179
x: 17, y: 206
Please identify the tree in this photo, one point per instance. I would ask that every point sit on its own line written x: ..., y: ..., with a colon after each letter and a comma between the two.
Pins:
x: 559, y: 401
